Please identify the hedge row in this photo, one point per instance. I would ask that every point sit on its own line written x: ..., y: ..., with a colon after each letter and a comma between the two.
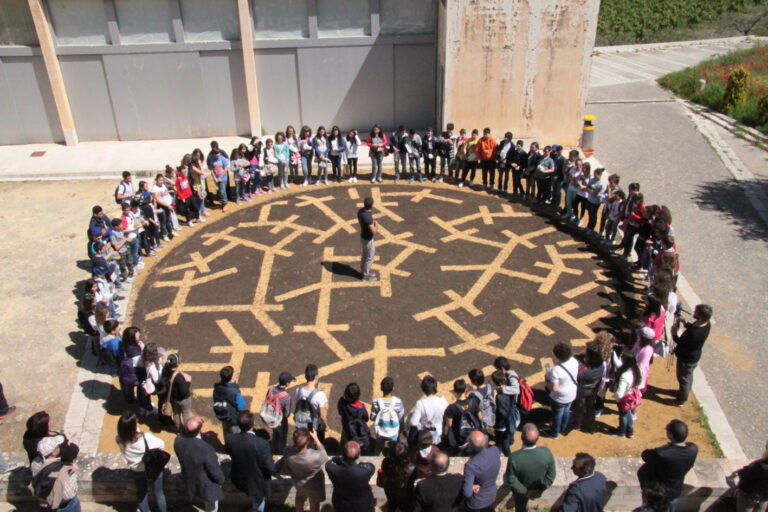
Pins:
x: 630, y: 21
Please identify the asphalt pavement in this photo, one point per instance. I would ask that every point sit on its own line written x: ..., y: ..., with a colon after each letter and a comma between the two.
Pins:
x: 645, y: 136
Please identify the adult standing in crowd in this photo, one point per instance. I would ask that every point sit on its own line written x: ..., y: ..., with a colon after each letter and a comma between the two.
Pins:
x: 398, y: 474
x: 133, y: 444
x: 561, y: 383
x: 589, y: 492
x: 588, y: 383
x: 305, y: 467
x: 530, y: 470
x: 279, y: 394
x: 440, y: 492
x: 176, y: 388
x: 368, y: 230
x: 480, y: 472
x: 752, y: 489
x: 350, y: 478
x: 252, y: 465
x: 669, y: 464
x: 199, y: 466
x: 688, y: 348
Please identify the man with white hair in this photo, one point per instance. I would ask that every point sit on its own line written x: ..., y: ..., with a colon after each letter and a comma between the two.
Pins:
x: 530, y: 470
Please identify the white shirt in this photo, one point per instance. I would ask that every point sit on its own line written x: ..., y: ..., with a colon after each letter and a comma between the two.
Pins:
x: 135, y: 451
x: 352, y: 149
x: 317, y: 402
x: 162, y: 194
x: 566, y: 391
x: 428, y: 414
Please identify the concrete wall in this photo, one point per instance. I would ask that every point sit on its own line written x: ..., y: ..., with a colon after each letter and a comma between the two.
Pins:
x: 519, y: 65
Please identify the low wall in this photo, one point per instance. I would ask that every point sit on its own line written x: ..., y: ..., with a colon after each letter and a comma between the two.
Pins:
x: 104, y: 479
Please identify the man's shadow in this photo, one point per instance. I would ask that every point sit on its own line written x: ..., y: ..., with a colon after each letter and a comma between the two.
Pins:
x: 342, y: 269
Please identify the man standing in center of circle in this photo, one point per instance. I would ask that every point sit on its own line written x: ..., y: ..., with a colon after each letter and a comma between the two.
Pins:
x: 368, y: 228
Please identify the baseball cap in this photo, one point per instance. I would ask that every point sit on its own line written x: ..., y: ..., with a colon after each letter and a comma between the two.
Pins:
x: 48, y: 445
x: 556, y: 147
x: 285, y: 378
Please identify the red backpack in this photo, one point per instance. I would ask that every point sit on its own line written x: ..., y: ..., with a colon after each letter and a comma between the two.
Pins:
x: 526, y: 395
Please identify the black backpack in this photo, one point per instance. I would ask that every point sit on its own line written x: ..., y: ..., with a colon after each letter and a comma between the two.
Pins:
x: 468, y: 423
x: 358, y: 430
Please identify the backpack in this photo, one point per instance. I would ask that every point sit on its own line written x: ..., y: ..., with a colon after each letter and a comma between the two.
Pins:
x: 128, y: 372
x: 51, y: 476
x: 526, y: 395
x: 358, y: 430
x: 304, y: 415
x: 117, y: 189
x: 223, y: 396
x: 387, y: 425
x: 271, y: 411
x: 468, y: 423
x: 487, y: 406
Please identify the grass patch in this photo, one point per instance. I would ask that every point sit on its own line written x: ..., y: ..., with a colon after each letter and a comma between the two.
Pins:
x: 702, y: 420
x: 716, y: 71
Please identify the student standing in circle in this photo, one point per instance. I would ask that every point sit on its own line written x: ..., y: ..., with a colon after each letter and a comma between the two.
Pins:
x: 368, y: 228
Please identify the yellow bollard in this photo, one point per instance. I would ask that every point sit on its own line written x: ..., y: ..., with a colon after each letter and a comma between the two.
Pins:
x: 588, y: 136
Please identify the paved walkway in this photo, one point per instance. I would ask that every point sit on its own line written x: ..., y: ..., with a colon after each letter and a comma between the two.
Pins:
x: 613, y: 65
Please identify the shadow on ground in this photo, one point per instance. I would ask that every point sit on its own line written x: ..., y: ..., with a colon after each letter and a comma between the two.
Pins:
x: 727, y: 197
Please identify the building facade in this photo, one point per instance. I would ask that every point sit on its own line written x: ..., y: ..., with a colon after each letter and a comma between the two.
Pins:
x: 86, y: 70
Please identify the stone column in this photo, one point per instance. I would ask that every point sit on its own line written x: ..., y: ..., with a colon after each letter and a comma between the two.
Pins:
x: 249, y: 65
x: 54, y: 72
x: 518, y: 65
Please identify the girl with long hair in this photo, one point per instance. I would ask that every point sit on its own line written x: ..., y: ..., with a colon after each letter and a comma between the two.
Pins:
x: 377, y: 142
x: 198, y: 175
x: 307, y: 152
x: 134, y: 443
x: 335, y: 152
x: 295, y: 155
x: 320, y: 146
x: 152, y: 361
x: 352, y: 152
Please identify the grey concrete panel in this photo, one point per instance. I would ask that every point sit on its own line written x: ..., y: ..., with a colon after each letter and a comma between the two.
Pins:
x: 351, y: 87
x: 89, y: 97
x: 278, y: 82
x: 415, y: 85
x: 224, y: 94
x: 31, y: 92
x: 156, y: 96
x: 9, y: 132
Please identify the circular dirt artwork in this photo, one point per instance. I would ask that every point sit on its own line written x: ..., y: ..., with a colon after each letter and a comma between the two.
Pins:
x: 464, y: 278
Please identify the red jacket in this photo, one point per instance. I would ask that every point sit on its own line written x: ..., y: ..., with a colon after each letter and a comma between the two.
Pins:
x: 486, y: 148
x: 183, y: 187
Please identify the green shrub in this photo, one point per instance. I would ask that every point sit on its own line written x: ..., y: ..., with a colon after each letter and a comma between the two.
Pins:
x: 736, y: 90
x: 682, y: 82
x: 711, y: 96
x: 761, y: 116
x: 746, y: 113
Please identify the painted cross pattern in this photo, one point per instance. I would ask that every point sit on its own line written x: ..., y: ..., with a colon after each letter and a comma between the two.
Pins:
x: 395, y: 254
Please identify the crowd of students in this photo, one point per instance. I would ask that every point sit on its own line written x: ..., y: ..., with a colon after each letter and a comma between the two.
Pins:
x: 154, y: 384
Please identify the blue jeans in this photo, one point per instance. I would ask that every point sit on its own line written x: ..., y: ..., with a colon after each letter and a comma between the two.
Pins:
x: 133, y: 245
x: 223, y: 190
x: 561, y: 416
x: 142, y: 496
x: 258, y: 506
x: 376, y: 166
x: 306, y: 166
x: 557, y: 190
x: 399, y: 163
x: 72, y: 506
x: 239, y: 189
x: 673, y: 505
x: 626, y: 423
x: 417, y: 161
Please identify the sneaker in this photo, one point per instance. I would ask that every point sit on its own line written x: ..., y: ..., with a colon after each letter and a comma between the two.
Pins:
x: 422, y: 180
x: 317, y: 183
x: 127, y: 280
x: 440, y: 180
x: 325, y: 181
x: 139, y: 266
x: 434, y: 180
x: 237, y: 202
x: 177, y: 228
x: 461, y: 184
x: 373, y: 181
x: 304, y: 184
x: 161, y: 246
x: 618, y: 433
x: 380, y: 180
x: 630, y: 435
x: 248, y: 198
x: 166, y: 238
x: 351, y: 180
x: 598, y: 414
x: 202, y: 219
x: 191, y: 224
x: 410, y: 180
x: 397, y: 180
x: 207, y: 213
x: 11, y: 410
x: 117, y: 297
x: 471, y: 183
x: 371, y: 278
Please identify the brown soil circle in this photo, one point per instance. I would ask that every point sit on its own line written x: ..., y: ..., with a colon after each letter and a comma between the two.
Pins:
x: 465, y: 277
